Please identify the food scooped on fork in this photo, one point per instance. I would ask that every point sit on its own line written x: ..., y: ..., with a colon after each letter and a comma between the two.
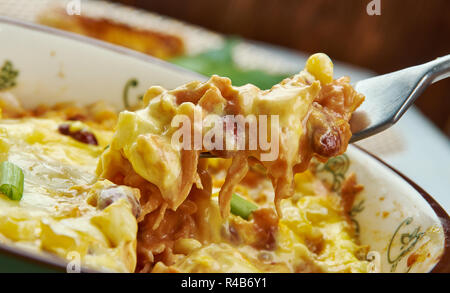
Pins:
x: 282, y: 129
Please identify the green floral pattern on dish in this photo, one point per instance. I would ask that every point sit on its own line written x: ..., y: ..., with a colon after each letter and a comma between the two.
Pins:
x: 8, y: 75
x: 356, y: 209
x: 407, y: 242
x: 336, y: 168
x: 131, y: 83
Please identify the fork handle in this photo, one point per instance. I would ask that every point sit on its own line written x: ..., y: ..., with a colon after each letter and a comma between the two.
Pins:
x: 438, y: 69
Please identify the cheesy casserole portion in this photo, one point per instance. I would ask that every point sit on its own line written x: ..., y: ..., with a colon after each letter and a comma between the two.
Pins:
x: 311, y: 108
x: 64, y: 208
x: 117, y: 191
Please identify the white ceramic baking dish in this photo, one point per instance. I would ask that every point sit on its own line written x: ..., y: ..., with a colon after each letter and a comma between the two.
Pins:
x: 406, y: 229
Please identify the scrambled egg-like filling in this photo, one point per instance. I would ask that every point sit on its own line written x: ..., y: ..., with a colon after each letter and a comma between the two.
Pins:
x: 129, y: 201
x: 57, y: 213
x: 314, y: 233
x: 311, y: 112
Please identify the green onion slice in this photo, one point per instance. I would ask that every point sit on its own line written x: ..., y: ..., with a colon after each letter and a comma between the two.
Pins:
x: 242, y: 207
x: 11, y: 180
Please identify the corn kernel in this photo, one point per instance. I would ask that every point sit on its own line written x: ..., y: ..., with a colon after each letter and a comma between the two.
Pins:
x: 186, y: 245
x: 321, y: 66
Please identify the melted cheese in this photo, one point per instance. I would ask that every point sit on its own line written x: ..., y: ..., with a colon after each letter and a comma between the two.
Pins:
x: 313, y: 235
x: 54, y: 214
x: 303, y: 128
x: 185, y: 226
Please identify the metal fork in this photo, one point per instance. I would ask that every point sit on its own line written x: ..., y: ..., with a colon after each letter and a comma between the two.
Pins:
x: 389, y: 96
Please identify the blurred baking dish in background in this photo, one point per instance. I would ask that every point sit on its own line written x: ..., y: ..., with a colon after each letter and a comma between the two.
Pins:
x: 155, y: 43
